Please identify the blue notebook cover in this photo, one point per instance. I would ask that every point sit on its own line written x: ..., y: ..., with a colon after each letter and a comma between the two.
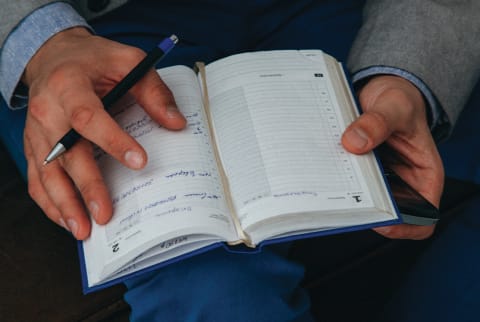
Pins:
x: 238, y: 248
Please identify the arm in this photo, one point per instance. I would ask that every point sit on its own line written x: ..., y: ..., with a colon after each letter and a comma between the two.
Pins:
x: 426, y: 39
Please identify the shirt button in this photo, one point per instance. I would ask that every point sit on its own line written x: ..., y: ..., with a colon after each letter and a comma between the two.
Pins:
x: 97, y: 5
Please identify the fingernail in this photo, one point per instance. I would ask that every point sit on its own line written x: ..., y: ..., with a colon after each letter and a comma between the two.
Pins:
x: 72, y: 225
x: 357, y: 137
x: 93, y: 208
x: 134, y: 159
x: 172, y: 112
x: 383, y: 230
x: 63, y: 224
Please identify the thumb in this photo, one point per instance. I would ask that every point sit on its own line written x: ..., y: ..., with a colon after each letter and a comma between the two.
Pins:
x: 365, y: 133
x: 158, y: 101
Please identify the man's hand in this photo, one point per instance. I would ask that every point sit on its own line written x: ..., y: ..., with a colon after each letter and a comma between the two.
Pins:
x: 66, y: 79
x: 394, y: 114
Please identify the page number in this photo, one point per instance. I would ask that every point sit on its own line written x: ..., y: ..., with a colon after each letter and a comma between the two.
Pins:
x: 357, y: 198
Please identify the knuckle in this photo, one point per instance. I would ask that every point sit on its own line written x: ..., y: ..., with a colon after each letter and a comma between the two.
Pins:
x: 70, y: 159
x: 37, y: 107
x: 81, y: 117
x: 52, y: 212
x: 46, y: 178
x: 111, y: 144
x: 58, y: 75
x: 112, y: 140
x: 35, y: 190
x: 117, y: 143
x: 378, y: 123
x: 161, y: 93
x: 135, y: 54
x: 66, y: 160
x: 90, y: 187
x: 27, y: 138
x: 65, y: 207
x: 130, y: 56
x: 378, y: 118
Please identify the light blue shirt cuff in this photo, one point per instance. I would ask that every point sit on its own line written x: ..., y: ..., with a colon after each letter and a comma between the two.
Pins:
x: 24, y: 41
x: 438, y: 119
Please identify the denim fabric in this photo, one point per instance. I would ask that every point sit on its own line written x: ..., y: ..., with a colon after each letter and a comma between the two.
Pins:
x: 444, y: 285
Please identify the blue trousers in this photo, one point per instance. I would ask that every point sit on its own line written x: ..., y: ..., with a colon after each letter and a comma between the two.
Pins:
x: 445, y: 284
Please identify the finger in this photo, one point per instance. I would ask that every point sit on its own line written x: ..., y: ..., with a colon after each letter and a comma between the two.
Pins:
x: 38, y: 193
x: 390, y: 104
x: 90, y: 120
x: 45, y: 114
x: 368, y: 131
x: 60, y: 191
x: 158, y: 101
x: 63, y: 194
x: 406, y: 231
x: 80, y: 165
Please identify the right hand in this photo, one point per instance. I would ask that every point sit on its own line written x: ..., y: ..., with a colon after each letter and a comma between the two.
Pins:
x: 66, y: 79
x: 394, y: 114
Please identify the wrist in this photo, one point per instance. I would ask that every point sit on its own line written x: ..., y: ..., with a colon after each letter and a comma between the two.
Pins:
x: 53, y: 46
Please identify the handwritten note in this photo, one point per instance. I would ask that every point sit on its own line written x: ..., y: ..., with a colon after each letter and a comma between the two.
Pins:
x: 180, y: 185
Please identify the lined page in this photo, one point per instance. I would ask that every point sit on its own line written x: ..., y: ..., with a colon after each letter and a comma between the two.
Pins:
x: 278, y: 130
x: 179, y: 191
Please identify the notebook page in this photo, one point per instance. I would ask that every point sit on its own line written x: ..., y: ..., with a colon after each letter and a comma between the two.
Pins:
x: 278, y: 130
x: 178, y: 191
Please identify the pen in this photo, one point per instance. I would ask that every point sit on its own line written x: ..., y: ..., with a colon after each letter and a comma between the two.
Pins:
x: 153, y: 57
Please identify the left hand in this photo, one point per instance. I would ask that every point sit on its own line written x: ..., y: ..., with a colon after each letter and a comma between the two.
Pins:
x: 394, y: 114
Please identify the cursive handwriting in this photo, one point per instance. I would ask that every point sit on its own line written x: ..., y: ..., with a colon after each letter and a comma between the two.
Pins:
x: 188, y: 173
x: 202, y: 195
x: 175, y: 210
x: 295, y: 193
x: 131, y: 191
x: 160, y: 202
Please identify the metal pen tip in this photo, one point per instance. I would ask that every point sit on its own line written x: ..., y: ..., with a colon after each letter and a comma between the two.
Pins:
x: 174, y: 39
x: 57, y: 151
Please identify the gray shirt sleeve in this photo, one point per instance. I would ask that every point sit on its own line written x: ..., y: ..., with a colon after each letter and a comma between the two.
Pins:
x: 436, y: 115
x: 24, y: 41
x: 438, y: 41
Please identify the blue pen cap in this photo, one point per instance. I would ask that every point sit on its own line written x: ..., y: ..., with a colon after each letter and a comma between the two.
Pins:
x: 167, y: 44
